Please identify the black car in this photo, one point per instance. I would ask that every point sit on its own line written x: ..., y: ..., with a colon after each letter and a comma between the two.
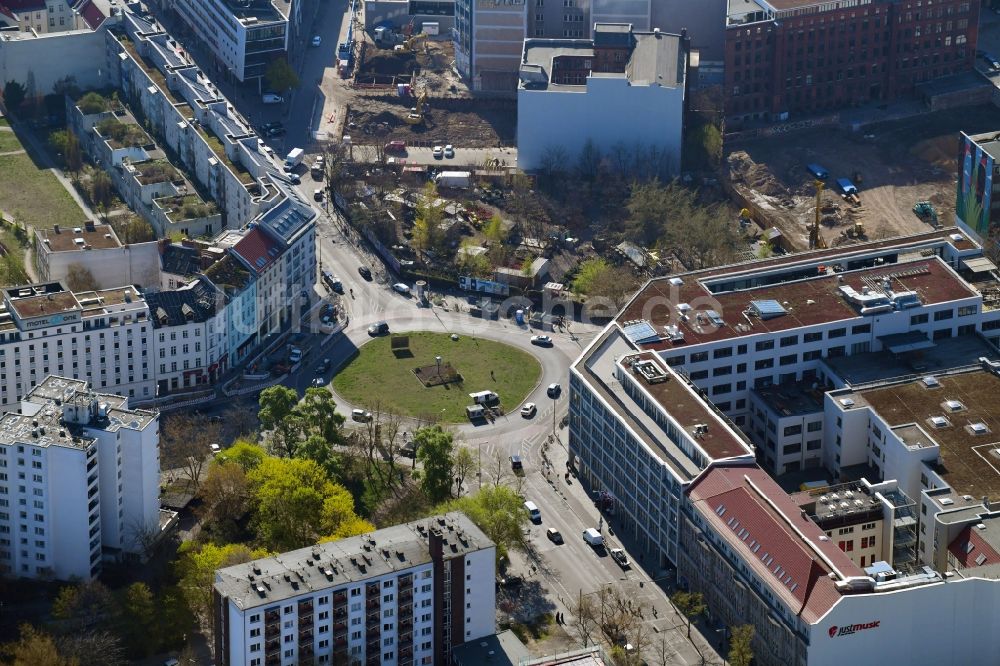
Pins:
x: 365, y: 272
x: 378, y: 328
x: 276, y: 131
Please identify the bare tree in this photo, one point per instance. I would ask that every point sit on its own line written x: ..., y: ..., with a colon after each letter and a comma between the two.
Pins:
x: 391, y: 440
x: 585, y: 615
x: 184, y: 444
x: 498, y: 469
x: 79, y: 278
x: 241, y: 421
x: 225, y: 492
x: 462, y: 465
x: 666, y: 655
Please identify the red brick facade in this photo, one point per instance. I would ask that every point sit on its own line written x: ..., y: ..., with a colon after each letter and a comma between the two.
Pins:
x: 819, y: 58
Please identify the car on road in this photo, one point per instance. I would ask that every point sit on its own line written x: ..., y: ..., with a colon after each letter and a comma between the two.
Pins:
x: 318, y: 194
x: 266, y: 127
x: 323, y: 367
x: 449, y: 151
x: 361, y: 415
x: 529, y: 410
x: 619, y: 556
x: 271, y: 98
x: 318, y: 382
x: 365, y: 272
x: 276, y: 131
x: 989, y: 59
x: 401, y: 288
x: 295, y: 355
x: 516, y: 464
x: 294, y: 178
x: 316, y: 40
x: 378, y: 328
x: 541, y: 340
x: 554, y: 390
x: 396, y: 147
x: 593, y: 537
x: 553, y: 535
x: 438, y: 152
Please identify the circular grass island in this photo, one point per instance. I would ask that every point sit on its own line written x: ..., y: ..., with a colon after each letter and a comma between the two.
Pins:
x: 400, y: 373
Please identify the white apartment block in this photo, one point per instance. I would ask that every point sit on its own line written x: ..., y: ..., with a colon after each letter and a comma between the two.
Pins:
x: 399, y: 596
x: 488, y: 37
x: 79, y: 482
x: 96, y: 249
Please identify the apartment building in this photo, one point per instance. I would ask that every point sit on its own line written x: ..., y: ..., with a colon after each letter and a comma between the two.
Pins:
x: 402, y: 595
x: 96, y: 249
x: 488, y: 37
x: 79, y: 482
x: 789, y: 57
x: 41, y: 16
x: 976, y: 210
x: 244, y: 36
x: 574, y: 92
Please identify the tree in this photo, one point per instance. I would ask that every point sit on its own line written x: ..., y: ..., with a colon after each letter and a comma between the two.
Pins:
x: 13, y: 95
x: 584, y: 612
x: 131, y: 228
x: 91, y: 103
x: 35, y: 648
x: 319, y: 414
x: 317, y: 449
x: 244, y: 453
x: 92, y: 648
x: 138, y: 621
x: 102, y: 191
x: 427, y: 223
x: 690, y: 604
x: 280, y: 75
x: 740, y: 645
x: 225, y: 492
x: 79, y: 278
x: 648, y: 205
x: 196, y: 567
x: 83, y: 607
x: 73, y: 155
x: 185, y: 442
x: 335, y: 163
x: 499, y: 512
x: 589, y: 274
x: 276, y: 405
x: 463, y: 464
x: 498, y: 469
x: 295, y: 503
x: 58, y: 140
x: 434, y: 447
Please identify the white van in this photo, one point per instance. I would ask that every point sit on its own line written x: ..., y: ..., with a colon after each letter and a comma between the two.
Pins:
x: 593, y: 537
x: 533, y: 512
x: 271, y: 98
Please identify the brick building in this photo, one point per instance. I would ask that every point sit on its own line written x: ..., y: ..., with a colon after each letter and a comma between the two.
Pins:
x: 787, y: 57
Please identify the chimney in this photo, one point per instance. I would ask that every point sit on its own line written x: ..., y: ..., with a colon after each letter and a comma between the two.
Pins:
x: 986, y: 502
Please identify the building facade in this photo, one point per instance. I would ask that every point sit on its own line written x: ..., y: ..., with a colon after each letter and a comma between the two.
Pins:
x: 977, y: 211
x: 784, y: 59
x: 81, y: 482
x: 401, y: 595
x: 488, y: 37
x: 95, y: 248
x: 575, y: 93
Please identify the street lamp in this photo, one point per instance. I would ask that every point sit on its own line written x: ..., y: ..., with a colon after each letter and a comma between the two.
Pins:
x: 438, y: 359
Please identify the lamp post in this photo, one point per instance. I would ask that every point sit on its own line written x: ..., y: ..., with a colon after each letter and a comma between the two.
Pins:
x: 438, y: 359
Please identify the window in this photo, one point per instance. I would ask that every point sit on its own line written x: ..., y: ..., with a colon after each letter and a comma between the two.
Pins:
x: 791, y: 359
x: 812, y: 337
x: 837, y: 333
x: 942, y: 315
x: 764, y: 345
x: 764, y: 363
x: 918, y: 319
x: 793, y: 429
x: 724, y: 370
x: 863, y: 328
x: 967, y: 310
x: 812, y: 355
x: 698, y: 357
x: 813, y: 445
x: 721, y: 388
x: 789, y: 340
x: 700, y: 374
x: 724, y: 352
x: 791, y: 448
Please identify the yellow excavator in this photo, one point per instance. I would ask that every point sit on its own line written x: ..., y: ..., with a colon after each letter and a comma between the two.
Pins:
x: 816, y: 241
x: 416, y: 114
x: 409, y: 44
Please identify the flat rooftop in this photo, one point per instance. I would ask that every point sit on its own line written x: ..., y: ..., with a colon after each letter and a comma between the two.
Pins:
x: 970, y: 463
x: 808, y: 296
x: 656, y: 59
x: 989, y: 142
x: 259, y: 10
x: 844, y: 501
x: 792, y: 399
x: 44, y: 304
x: 340, y: 563
x: 79, y: 239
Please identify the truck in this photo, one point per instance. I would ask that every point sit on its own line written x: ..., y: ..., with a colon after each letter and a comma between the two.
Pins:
x: 385, y: 37
x: 593, y: 537
x: 461, y: 179
x: 294, y: 159
x: 817, y: 171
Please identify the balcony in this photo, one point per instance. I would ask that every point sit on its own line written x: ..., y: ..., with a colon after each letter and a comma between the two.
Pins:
x: 372, y: 603
x: 272, y: 616
x: 340, y: 614
x: 272, y: 630
x: 272, y: 646
x: 306, y: 637
x: 340, y: 598
x: 306, y: 620
x: 405, y: 626
x: 406, y: 597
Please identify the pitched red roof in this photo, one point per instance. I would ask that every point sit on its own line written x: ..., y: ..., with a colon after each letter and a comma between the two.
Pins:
x: 971, y: 550
x: 91, y: 13
x: 763, y: 525
x: 5, y: 11
x: 257, y: 249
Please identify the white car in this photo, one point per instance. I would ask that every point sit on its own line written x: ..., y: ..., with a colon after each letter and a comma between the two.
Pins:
x: 215, y: 448
x: 449, y: 151
x: 619, y: 556
x: 541, y: 340
x: 438, y: 152
x: 295, y: 355
x: 401, y: 288
x: 528, y: 410
x: 316, y: 41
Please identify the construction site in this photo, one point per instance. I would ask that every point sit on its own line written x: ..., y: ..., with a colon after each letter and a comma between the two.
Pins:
x: 880, y: 181
x: 405, y: 89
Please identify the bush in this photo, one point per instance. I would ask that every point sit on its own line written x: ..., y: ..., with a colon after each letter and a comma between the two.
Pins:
x: 92, y: 102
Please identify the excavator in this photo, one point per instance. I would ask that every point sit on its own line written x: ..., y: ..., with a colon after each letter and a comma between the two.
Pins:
x: 409, y: 45
x: 816, y: 241
x: 416, y: 114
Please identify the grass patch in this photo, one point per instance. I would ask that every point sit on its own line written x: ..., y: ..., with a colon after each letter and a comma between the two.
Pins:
x: 34, y: 196
x: 4, y: 122
x: 9, y: 142
x: 376, y: 375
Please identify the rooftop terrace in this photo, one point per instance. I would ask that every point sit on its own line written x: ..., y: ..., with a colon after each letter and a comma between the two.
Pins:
x: 77, y: 239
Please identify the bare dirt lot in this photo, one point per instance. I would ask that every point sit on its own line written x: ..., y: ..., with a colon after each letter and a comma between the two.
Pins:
x: 474, y: 124
x: 898, y: 162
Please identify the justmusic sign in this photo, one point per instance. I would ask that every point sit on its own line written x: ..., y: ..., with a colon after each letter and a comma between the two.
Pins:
x: 836, y: 631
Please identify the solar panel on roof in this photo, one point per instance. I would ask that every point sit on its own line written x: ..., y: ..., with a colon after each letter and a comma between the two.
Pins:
x: 768, y: 309
x: 641, y: 332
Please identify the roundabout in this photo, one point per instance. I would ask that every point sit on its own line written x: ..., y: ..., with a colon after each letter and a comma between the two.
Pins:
x: 429, y: 376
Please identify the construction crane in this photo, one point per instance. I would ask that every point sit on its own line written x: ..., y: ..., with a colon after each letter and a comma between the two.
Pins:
x: 816, y: 241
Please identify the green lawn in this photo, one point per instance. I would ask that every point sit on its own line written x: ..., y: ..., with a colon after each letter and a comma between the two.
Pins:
x: 376, y: 376
x: 9, y: 142
x: 35, y: 196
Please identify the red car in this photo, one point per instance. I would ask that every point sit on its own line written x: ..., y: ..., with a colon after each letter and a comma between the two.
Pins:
x: 396, y: 147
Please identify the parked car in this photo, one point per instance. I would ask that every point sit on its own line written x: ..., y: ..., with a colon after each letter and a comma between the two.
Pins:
x: 449, y: 151
x: 817, y: 171
x: 269, y: 126
x: 318, y: 194
x: 554, y: 535
x: 318, y: 382
x: 438, y: 152
x: 215, y: 448
x: 533, y: 513
x: 271, y: 98
x: 396, y: 147
x: 541, y: 340
x: 554, y: 390
x: 295, y: 355
x: 378, y: 328
x: 528, y: 410
x: 323, y: 367
x: 365, y: 272
x: 276, y: 131
x: 516, y: 464
x: 361, y: 415
x: 593, y: 537
x: 401, y: 288
x: 619, y: 556
x: 316, y: 40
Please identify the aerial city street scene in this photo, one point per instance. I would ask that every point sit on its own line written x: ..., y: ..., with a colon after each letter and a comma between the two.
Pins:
x: 499, y: 332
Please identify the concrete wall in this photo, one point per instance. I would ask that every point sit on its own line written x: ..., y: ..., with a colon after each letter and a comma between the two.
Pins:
x: 133, y: 264
x: 705, y: 22
x: 567, y: 119
x: 42, y: 61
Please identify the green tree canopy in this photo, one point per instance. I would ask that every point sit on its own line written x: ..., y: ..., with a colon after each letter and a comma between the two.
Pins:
x: 276, y: 404
x: 244, y: 453
x: 196, y: 567
x: 280, y: 75
x: 740, y: 648
x: 434, y: 450
x: 34, y: 648
x: 498, y: 511
x: 14, y: 95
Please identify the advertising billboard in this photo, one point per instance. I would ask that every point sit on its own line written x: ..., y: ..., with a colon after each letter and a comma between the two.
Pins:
x: 975, y: 185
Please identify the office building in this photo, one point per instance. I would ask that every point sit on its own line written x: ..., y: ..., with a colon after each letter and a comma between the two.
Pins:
x: 975, y: 208
x: 488, y: 37
x: 402, y: 595
x: 80, y: 482
x: 575, y: 92
x: 785, y: 58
